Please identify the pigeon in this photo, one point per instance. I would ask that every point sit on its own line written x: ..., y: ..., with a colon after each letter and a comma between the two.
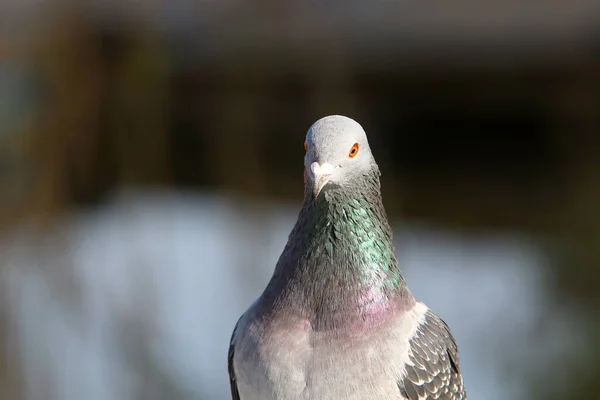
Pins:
x: 337, y: 320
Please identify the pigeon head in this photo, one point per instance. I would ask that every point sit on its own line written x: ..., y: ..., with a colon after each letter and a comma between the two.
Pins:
x: 337, y: 153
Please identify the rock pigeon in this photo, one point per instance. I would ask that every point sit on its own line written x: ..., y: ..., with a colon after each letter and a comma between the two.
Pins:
x: 337, y: 321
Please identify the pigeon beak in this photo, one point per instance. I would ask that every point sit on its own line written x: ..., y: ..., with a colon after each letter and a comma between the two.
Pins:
x: 320, y: 176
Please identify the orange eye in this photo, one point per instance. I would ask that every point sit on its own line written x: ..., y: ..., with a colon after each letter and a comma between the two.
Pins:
x: 305, y: 145
x: 353, y: 150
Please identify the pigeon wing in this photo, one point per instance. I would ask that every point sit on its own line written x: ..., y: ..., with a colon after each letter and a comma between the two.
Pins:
x: 235, y: 395
x: 433, y: 371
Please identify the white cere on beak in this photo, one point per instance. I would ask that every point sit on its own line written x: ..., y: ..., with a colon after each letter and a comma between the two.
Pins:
x: 320, y: 173
x: 324, y: 169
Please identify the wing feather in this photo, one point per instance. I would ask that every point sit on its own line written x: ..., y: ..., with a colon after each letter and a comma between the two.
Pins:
x: 433, y: 372
x: 235, y: 395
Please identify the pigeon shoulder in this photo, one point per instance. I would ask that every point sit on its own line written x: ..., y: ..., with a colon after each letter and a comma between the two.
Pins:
x: 432, y: 369
x: 237, y: 345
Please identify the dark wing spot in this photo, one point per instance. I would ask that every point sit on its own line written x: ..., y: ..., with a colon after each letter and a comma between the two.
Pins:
x: 433, y: 370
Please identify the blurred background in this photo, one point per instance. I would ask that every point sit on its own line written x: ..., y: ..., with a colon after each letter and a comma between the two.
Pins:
x: 151, y: 170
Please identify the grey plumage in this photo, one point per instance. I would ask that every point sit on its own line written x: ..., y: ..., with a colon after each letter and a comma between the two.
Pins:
x: 432, y: 371
x: 337, y: 320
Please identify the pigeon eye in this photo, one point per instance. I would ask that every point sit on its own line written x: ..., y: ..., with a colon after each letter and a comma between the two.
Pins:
x: 353, y: 151
x: 305, y: 145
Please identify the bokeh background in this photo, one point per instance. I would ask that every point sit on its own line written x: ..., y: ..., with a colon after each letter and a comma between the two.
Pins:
x: 151, y: 169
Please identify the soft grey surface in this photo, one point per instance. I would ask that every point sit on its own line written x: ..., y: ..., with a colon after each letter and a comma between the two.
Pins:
x: 337, y: 320
x: 308, y: 374
x: 140, y: 297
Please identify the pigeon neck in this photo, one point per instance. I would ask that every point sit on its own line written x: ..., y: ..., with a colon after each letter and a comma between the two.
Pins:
x: 340, y: 260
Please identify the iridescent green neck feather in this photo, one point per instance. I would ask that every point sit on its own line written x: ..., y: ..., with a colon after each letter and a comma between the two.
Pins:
x: 340, y: 259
